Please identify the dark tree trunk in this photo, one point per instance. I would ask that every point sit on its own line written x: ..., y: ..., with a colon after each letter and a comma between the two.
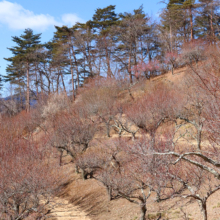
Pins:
x: 143, y: 212
x: 28, y: 90
x: 41, y: 84
x: 76, y: 67
x: 107, y: 124
x: 36, y: 83
x: 109, y: 72
x: 129, y: 69
x: 64, y: 87
x: 171, y: 37
x: 211, y: 24
x: 72, y: 78
x: 58, y: 82
x: 204, y: 211
x: 191, y: 23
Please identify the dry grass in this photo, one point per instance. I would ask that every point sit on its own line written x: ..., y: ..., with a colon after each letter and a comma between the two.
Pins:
x: 88, y: 199
x: 91, y: 197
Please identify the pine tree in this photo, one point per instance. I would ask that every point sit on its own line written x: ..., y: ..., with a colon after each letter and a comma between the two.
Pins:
x: 190, y: 5
x: 180, y: 8
x: 208, y: 19
x: 103, y: 20
x: 85, y: 46
x: 23, y: 57
x: 64, y: 36
x: 172, y: 28
x: 177, y: 4
x: 132, y: 31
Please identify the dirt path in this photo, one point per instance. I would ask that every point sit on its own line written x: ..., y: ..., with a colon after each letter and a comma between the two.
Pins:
x: 62, y: 210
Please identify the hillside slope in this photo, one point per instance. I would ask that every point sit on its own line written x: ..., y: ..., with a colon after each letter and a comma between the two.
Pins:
x: 91, y: 196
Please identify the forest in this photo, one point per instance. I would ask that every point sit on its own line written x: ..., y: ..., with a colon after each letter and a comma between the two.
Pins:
x: 121, y: 111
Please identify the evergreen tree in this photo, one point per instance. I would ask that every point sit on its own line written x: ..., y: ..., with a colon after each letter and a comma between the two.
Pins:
x: 133, y: 39
x: 85, y: 44
x: 190, y: 5
x: 103, y: 20
x: 208, y: 19
x: 23, y: 57
x: 172, y: 28
x: 65, y: 36
x: 177, y: 4
x: 183, y: 9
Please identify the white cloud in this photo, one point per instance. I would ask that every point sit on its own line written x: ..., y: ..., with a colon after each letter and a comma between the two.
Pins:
x: 71, y: 19
x: 18, y: 18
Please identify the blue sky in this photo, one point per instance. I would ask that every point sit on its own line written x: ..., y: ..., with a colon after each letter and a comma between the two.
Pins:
x: 42, y: 15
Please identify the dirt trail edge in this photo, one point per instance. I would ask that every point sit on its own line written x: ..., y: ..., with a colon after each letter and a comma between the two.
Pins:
x: 61, y: 209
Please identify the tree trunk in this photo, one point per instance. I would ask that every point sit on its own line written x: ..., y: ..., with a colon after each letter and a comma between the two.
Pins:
x: 52, y: 85
x: 109, y: 72
x: 28, y: 90
x: 204, y: 211
x: 61, y: 156
x: 191, y: 23
x: 71, y: 70
x: 143, y: 212
x: 36, y: 83
x: 64, y: 87
x: 184, y: 27
x: 158, y: 192
x: 108, y: 129
x: 76, y: 67
x: 88, y: 45
x: 199, y: 136
x: 76, y: 169
x: 21, y: 100
x: 109, y: 191
x: 135, y: 52
x: 129, y: 69
x: 49, y: 89
x: 211, y: 24
x: 133, y: 136
x: 41, y: 84
x: 84, y: 174
x: 77, y: 77
x: 171, y: 37
x: 58, y: 82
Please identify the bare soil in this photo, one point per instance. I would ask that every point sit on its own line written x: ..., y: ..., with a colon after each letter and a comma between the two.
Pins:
x: 64, y: 210
x: 88, y: 199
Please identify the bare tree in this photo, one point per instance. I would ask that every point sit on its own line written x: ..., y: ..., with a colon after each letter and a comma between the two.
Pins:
x: 27, y: 178
x: 100, y: 101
